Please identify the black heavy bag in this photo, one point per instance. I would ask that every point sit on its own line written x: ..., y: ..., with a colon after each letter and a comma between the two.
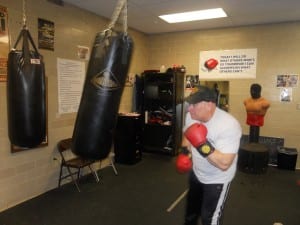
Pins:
x: 104, y: 84
x: 26, y: 98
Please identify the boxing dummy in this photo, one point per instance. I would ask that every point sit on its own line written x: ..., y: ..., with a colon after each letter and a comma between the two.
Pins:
x: 256, y: 107
x: 184, y: 161
x: 196, y: 134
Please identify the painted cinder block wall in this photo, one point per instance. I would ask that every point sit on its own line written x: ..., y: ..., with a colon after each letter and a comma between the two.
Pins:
x: 26, y: 174
x: 278, y: 48
x: 29, y: 173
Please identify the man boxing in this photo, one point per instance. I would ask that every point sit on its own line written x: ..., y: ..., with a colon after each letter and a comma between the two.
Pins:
x: 213, y: 137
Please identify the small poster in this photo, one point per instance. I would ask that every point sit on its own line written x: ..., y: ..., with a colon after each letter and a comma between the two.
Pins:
x: 286, y: 94
x: 45, y: 34
x: 191, y: 81
x: 287, y: 80
x: 4, y: 45
x: 83, y: 52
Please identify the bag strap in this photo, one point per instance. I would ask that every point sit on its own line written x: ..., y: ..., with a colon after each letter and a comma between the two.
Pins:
x: 32, y: 42
x: 25, y: 34
x: 120, y: 7
x: 19, y: 38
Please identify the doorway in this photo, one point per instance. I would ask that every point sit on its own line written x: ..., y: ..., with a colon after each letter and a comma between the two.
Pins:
x: 222, y: 89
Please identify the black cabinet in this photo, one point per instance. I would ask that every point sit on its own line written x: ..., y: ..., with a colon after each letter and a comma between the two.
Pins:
x: 162, y: 111
x: 127, y: 139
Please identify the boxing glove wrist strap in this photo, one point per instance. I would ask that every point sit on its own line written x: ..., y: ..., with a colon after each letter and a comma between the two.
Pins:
x: 184, y: 150
x: 206, y: 149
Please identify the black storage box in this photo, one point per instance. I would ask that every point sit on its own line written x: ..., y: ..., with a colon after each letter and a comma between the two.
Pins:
x: 127, y: 139
x: 287, y: 158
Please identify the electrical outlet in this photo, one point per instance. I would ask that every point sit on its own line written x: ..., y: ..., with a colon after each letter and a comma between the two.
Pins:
x: 298, y: 106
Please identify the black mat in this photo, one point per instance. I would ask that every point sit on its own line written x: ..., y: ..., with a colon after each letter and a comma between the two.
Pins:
x: 141, y: 194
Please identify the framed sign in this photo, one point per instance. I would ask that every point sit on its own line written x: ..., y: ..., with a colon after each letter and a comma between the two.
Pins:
x: 45, y: 34
x: 4, y: 43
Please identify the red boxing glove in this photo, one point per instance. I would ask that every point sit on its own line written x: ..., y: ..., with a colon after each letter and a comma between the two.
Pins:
x: 196, y: 134
x: 183, y: 162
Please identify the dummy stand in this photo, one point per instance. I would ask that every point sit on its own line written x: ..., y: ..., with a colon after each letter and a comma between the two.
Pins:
x: 253, y: 134
x: 253, y: 156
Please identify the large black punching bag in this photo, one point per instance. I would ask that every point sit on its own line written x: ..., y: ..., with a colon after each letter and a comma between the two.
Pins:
x: 104, y: 84
x: 26, y: 97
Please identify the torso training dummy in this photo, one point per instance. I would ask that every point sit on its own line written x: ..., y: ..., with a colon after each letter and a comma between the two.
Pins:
x: 256, y: 107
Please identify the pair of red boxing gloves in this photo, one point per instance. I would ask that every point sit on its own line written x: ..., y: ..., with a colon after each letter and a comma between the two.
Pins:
x: 196, y: 135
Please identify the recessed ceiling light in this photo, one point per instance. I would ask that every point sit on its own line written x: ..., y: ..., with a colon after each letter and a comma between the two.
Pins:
x: 194, y: 15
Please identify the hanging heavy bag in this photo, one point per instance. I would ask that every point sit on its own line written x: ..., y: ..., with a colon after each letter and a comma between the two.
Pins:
x: 26, y: 98
x: 99, y: 105
x: 105, y: 80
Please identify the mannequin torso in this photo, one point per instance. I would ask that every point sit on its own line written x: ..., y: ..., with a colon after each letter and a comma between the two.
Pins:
x: 256, y: 107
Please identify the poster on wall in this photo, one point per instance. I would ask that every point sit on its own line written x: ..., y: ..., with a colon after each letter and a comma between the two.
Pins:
x: 191, y: 81
x: 4, y: 43
x: 228, y: 64
x: 287, y: 80
x: 83, y: 52
x: 45, y: 34
x: 71, y: 74
x: 286, y: 94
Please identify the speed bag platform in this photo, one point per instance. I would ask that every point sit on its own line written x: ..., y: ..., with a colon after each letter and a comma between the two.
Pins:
x: 98, y: 109
x: 26, y: 94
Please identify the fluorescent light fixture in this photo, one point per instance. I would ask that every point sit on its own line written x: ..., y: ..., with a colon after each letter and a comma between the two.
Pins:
x: 194, y: 15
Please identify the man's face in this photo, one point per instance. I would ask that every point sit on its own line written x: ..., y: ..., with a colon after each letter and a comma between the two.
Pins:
x: 199, y: 111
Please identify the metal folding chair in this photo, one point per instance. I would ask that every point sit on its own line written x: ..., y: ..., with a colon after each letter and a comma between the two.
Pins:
x: 73, y: 163
x: 111, y: 158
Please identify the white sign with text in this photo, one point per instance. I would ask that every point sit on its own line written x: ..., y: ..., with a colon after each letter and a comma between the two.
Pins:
x: 228, y: 64
x: 71, y: 75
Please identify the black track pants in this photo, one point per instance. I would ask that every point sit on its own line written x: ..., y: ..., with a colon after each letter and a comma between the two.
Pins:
x: 205, y: 201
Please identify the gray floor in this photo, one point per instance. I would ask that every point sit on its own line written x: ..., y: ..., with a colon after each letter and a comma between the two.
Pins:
x: 142, y: 193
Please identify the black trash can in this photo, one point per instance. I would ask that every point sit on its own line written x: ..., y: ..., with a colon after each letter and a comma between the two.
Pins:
x: 287, y: 158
